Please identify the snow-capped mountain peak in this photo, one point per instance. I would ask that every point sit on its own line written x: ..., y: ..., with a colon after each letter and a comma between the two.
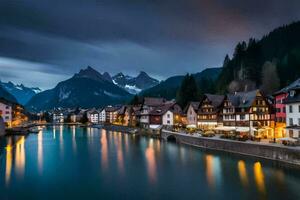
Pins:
x: 136, y: 84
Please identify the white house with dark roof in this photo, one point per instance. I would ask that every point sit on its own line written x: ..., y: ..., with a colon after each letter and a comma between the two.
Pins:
x: 191, y: 113
x: 93, y: 116
x: 102, y: 115
x: 292, y: 103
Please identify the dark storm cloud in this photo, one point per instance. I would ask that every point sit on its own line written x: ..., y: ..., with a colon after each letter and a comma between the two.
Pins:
x: 131, y: 35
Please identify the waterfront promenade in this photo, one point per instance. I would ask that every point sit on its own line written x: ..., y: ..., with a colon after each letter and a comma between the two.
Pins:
x: 276, y: 152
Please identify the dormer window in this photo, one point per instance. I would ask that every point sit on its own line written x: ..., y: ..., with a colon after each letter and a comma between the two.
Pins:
x: 292, y: 93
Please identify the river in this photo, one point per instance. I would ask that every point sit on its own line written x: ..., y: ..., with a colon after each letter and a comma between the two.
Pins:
x: 69, y: 162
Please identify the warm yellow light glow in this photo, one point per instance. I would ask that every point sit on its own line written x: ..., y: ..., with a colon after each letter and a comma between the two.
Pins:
x: 243, y: 172
x: 20, y: 156
x: 104, y: 149
x: 209, y: 170
x: 8, y: 165
x: 259, y: 177
x: 151, y: 162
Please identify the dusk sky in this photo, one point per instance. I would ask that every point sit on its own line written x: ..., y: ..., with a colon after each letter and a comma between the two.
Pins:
x: 44, y: 42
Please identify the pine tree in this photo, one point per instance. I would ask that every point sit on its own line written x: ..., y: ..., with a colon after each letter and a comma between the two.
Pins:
x: 188, y: 91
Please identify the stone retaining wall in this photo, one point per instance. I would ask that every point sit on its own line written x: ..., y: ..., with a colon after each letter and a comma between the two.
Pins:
x: 287, y: 155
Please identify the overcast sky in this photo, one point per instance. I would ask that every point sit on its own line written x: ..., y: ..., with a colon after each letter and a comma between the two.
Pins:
x: 43, y: 42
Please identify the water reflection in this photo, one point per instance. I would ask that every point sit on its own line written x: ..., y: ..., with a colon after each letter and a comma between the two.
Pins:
x: 243, y: 173
x: 120, y: 158
x: 61, y: 140
x: 151, y: 162
x: 259, y: 177
x: 8, y: 165
x: 40, y: 151
x: 74, y: 145
x: 20, y: 157
x: 213, y: 170
x: 104, y: 149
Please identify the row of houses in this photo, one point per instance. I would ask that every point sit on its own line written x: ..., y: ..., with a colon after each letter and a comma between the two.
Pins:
x: 249, y: 113
x: 243, y: 112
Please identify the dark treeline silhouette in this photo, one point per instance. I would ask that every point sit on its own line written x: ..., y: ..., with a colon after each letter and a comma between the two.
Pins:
x: 280, y: 47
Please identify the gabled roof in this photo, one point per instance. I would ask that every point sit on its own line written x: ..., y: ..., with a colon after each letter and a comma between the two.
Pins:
x: 293, y: 99
x: 112, y: 108
x: 151, y: 101
x: 4, y: 101
x: 242, y: 99
x: 294, y: 85
x: 194, y: 104
x: 216, y: 100
x: 161, y: 110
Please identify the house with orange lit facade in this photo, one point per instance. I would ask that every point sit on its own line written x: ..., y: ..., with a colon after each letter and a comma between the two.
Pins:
x: 209, y: 112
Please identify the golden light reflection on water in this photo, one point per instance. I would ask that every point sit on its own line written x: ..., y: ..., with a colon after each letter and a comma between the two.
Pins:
x: 8, y: 165
x: 40, y: 151
x: 259, y: 177
x: 209, y: 170
x: 104, y: 149
x: 20, y: 157
x: 151, y: 162
x: 120, y: 158
x: 243, y: 173
x: 213, y: 170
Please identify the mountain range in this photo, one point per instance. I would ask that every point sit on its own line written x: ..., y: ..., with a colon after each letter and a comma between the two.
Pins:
x: 6, y: 95
x: 134, y: 85
x: 88, y: 88
x: 21, y: 93
x: 168, y: 88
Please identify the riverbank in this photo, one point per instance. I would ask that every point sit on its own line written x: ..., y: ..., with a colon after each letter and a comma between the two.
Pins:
x: 282, y: 154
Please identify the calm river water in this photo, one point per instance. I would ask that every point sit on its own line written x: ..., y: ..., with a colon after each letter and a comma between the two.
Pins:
x: 84, y: 163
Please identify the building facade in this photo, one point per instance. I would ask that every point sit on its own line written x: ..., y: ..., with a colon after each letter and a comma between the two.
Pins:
x: 191, y: 113
x: 209, y: 112
x: 6, y: 112
x: 292, y: 103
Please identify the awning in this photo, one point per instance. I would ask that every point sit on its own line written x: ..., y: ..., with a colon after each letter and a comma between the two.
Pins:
x: 224, y: 128
x: 152, y: 126
x: 191, y: 126
x: 244, y: 129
